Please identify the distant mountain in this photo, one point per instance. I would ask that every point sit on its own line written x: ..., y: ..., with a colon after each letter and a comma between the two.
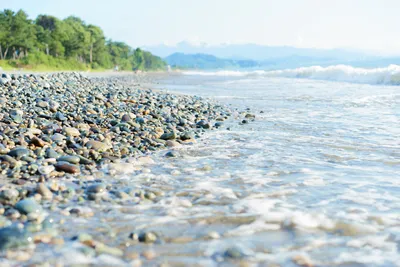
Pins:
x: 256, y: 52
x: 205, y: 61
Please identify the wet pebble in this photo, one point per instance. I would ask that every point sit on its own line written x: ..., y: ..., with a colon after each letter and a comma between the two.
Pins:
x: 96, y: 188
x: 203, y: 124
x: 28, y: 205
x: 14, y: 237
x: 168, y: 136
x: 172, y: 154
x: 44, y: 191
x: 234, y: 253
x: 144, y: 237
x: 67, y: 167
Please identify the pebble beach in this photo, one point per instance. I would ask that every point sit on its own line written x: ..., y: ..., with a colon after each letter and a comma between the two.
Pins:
x: 65, y: 138
x: 180, y: 169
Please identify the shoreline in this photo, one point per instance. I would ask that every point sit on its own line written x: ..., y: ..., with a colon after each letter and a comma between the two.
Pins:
x: 58, y: 157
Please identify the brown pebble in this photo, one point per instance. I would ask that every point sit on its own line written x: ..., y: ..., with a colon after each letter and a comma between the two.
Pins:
x: 149, y: 254
x: 44, y: 191
x: 38, y: 142
x: 90, y: 243
x: 67, y: 167
x: 42, y: 238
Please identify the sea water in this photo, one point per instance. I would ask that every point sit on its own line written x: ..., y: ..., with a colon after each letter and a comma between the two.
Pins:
x: 314, y: 180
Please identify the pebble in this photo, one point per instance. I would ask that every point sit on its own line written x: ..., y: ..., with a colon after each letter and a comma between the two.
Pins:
x: 12, y: 214
x: 172, y: 154
x: 82, y: 237
x: 218, y: 124
x: 213, y: 235
x: 250, y: 116
x: 50, y: 153
x: 3, y: 149
x: 85, y: 161
x: 187, y: 136
x: 27, y: 206
x: 101, y: 248
x: 168, y: 136
x: 70, y: 159
x: 60, y: 117
x: 67, y: 167
x: 19, y: 152
x: 70, y: 131
x: 234, y: 253
x: 13, y: 162
x: 44, y: 191
x: 96, y: 188
x: 97, y: 145
x: 147, y: 237
x: 38, y: 142
x: 171, y: 143
x: 149, y: 255
x: 203, y: 124
x: 8, y: 196
x: 46, y: 170
x: 16, y: 115
x: 59, y: 137
x: 42, y: 104
x: 14, y: 237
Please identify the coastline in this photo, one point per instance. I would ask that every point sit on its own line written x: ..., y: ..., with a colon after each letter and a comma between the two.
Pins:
x: 247, y: 193
x: 59, y: 157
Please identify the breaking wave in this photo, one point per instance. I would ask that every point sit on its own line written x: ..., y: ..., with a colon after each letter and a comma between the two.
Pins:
x: 389, y: 75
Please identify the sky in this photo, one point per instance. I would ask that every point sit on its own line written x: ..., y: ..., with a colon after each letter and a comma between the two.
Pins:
x: 357, y: 24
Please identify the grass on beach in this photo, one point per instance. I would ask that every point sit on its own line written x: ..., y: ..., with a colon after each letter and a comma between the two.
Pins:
x: 48, y: 64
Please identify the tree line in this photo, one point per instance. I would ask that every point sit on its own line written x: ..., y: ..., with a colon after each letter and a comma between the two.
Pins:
x: 72, y: 42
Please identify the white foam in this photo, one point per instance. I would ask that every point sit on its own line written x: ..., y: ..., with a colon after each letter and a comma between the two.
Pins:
x: 389, y: 75
x: 249, y: 229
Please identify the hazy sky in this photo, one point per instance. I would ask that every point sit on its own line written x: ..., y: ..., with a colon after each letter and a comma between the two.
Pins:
x: 365, y: 24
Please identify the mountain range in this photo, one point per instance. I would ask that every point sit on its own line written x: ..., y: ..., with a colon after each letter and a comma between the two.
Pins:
x: 232, y: 56
x: 205, y: 61
x: 253, y: 51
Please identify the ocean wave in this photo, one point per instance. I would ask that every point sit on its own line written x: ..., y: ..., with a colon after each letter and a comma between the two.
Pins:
x: 389, y: 75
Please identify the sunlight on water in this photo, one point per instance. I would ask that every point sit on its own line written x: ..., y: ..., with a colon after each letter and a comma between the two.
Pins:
x: 314, y: 179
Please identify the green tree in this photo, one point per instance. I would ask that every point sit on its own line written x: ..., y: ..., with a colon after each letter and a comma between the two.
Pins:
x: 120, y: 53
x: 69, y: 43
x: 23, y: 37
x: 97, y: 48
x: 17, y: 33
x: 51, y: 35
x: 138, y: 59
x: 78, y: 39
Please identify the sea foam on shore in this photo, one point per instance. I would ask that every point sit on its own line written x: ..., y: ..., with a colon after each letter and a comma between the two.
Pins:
x: 389, y: 75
